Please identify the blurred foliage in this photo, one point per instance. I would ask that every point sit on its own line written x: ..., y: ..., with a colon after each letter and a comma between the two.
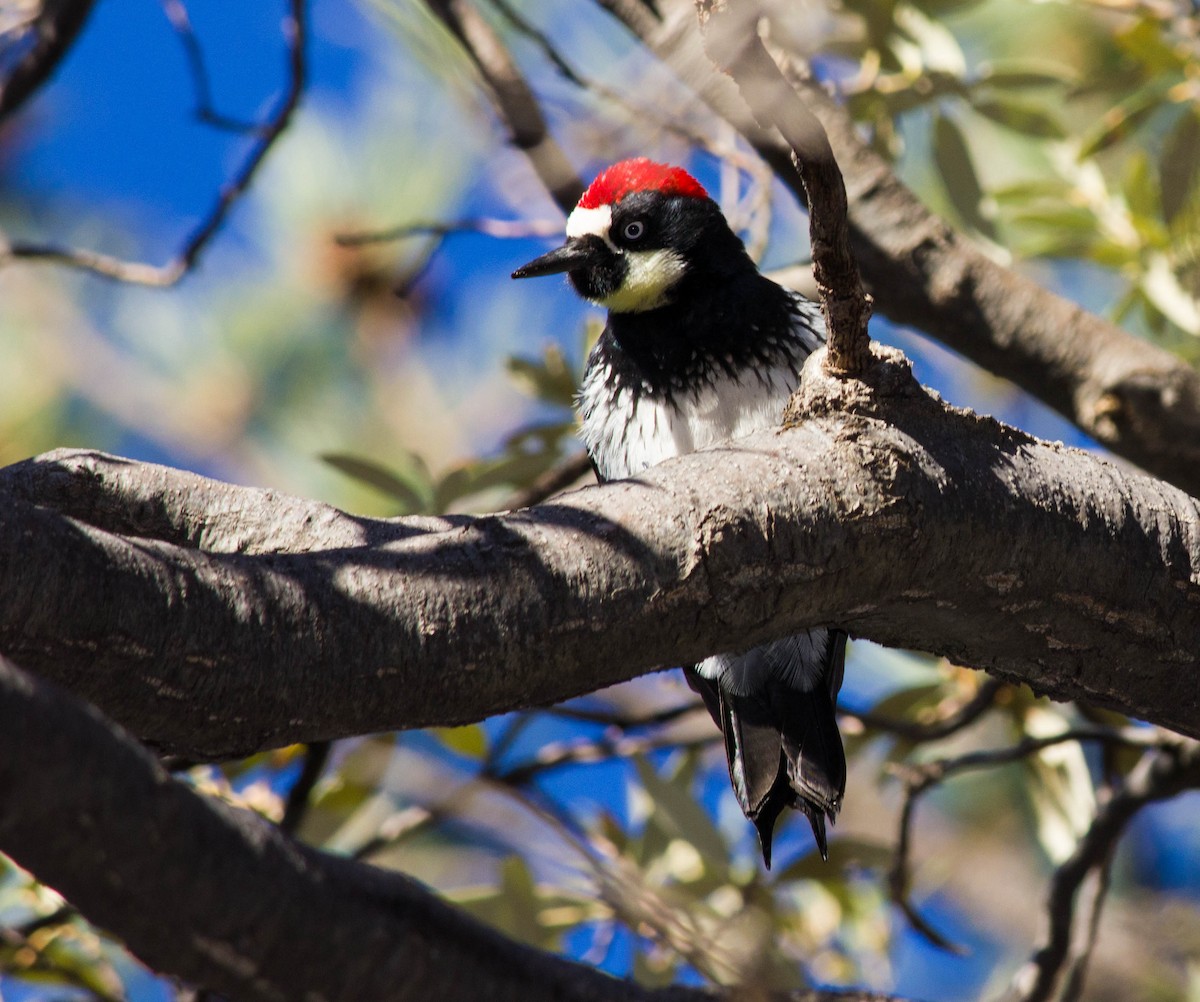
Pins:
x: 412, y: 378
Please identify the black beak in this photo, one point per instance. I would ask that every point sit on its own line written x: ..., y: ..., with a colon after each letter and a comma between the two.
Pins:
x: 576, y: 253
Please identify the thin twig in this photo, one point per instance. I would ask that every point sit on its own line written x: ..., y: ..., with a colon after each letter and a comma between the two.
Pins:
x: 919, y: 779
x: 626, y: 721
x: 919, y: 733
x: 731, y: 37
x: 176, y: 13
x: 541, y: 40
x: 513, y: 99
x: 295, y: 33
x: 553, y: 481
x: 505, y: 229
x: 316, y: 755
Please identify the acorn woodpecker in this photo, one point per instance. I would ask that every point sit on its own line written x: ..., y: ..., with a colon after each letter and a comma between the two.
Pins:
x: 700, y: 348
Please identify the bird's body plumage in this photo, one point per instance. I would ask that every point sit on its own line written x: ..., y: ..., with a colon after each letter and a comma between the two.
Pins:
x: 700, y: 349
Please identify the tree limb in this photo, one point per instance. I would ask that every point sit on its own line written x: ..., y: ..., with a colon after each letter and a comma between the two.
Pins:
x: 255, y: 916
x: 513, y: 99
x: 882, y: 511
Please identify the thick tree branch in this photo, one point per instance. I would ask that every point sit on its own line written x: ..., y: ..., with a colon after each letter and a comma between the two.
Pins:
x: 1140, y: 401
x: 255, y: 916
x: 882, y: 511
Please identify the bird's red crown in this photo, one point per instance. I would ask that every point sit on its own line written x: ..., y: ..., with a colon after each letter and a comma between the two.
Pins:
x: 640, y: 174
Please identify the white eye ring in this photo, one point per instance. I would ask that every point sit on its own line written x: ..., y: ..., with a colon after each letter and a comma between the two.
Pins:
x: 633, y: 230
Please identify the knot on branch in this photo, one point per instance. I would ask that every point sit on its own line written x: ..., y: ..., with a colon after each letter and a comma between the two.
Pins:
x: 883, y: 375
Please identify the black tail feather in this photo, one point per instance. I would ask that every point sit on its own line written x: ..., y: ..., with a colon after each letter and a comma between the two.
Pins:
x: 783, y: 749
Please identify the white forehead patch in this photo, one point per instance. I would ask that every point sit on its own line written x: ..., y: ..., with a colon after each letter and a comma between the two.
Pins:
x: 594, y: 222
x: 651, y: 275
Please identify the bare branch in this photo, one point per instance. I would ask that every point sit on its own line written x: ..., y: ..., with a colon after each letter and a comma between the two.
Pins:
x: 1160, y: 775
x: 513, y: 98
x: 206, y: 111
x: 731, y: 37
x: 503, y: 228
x: 55, y: 28
x: 918, y: 732
x: 886, y: 513
x: 316, y: 755
x: 919, y: 779
x: 553, y: 481
x: 295, y: 33
x: 256, y: 916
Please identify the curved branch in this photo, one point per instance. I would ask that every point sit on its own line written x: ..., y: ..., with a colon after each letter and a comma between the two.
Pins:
x: 886, y: 513
x: 1160, y: 775
x: 295, y: 32
x: 255, y: 916
x: 513, y: 98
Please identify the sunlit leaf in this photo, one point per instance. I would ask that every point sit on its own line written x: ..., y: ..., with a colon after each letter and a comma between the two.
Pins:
x: 1145, y: 40
x: 1120, y: 120
x: 1014, y: 74
x: 1139, y: 185
x: 549, y: 378
x: 844, y: 854
x: 456, y: 483
x: 470, y: 741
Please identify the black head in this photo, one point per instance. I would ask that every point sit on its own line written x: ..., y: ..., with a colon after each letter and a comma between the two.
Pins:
x: 640, y: 232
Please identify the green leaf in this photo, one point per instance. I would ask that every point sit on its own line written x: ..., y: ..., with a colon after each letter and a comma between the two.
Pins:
x: 1180, y: 164
x: 1139, y: 185
x: 1020, y: 116
x: 1020, y: 192
x: 953, y: 160
x: 456, y: 483
x: 549, y: 378
x: 1121, y: 119
x: 844, y: 854
x: 1016, y: 74
x: 409, y: 487
x: 470, y: 740
x: 520, y: 902
x: 678, y: 814
x: 1146, y: 41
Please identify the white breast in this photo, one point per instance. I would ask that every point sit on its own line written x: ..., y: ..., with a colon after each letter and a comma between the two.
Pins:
x: 626, y: 434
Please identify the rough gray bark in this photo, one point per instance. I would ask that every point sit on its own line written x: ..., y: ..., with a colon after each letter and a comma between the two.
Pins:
x: 254, y: 915
x: 881, y: 510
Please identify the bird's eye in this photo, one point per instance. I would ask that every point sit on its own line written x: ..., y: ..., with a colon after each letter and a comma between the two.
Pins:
x: 633, y: 230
